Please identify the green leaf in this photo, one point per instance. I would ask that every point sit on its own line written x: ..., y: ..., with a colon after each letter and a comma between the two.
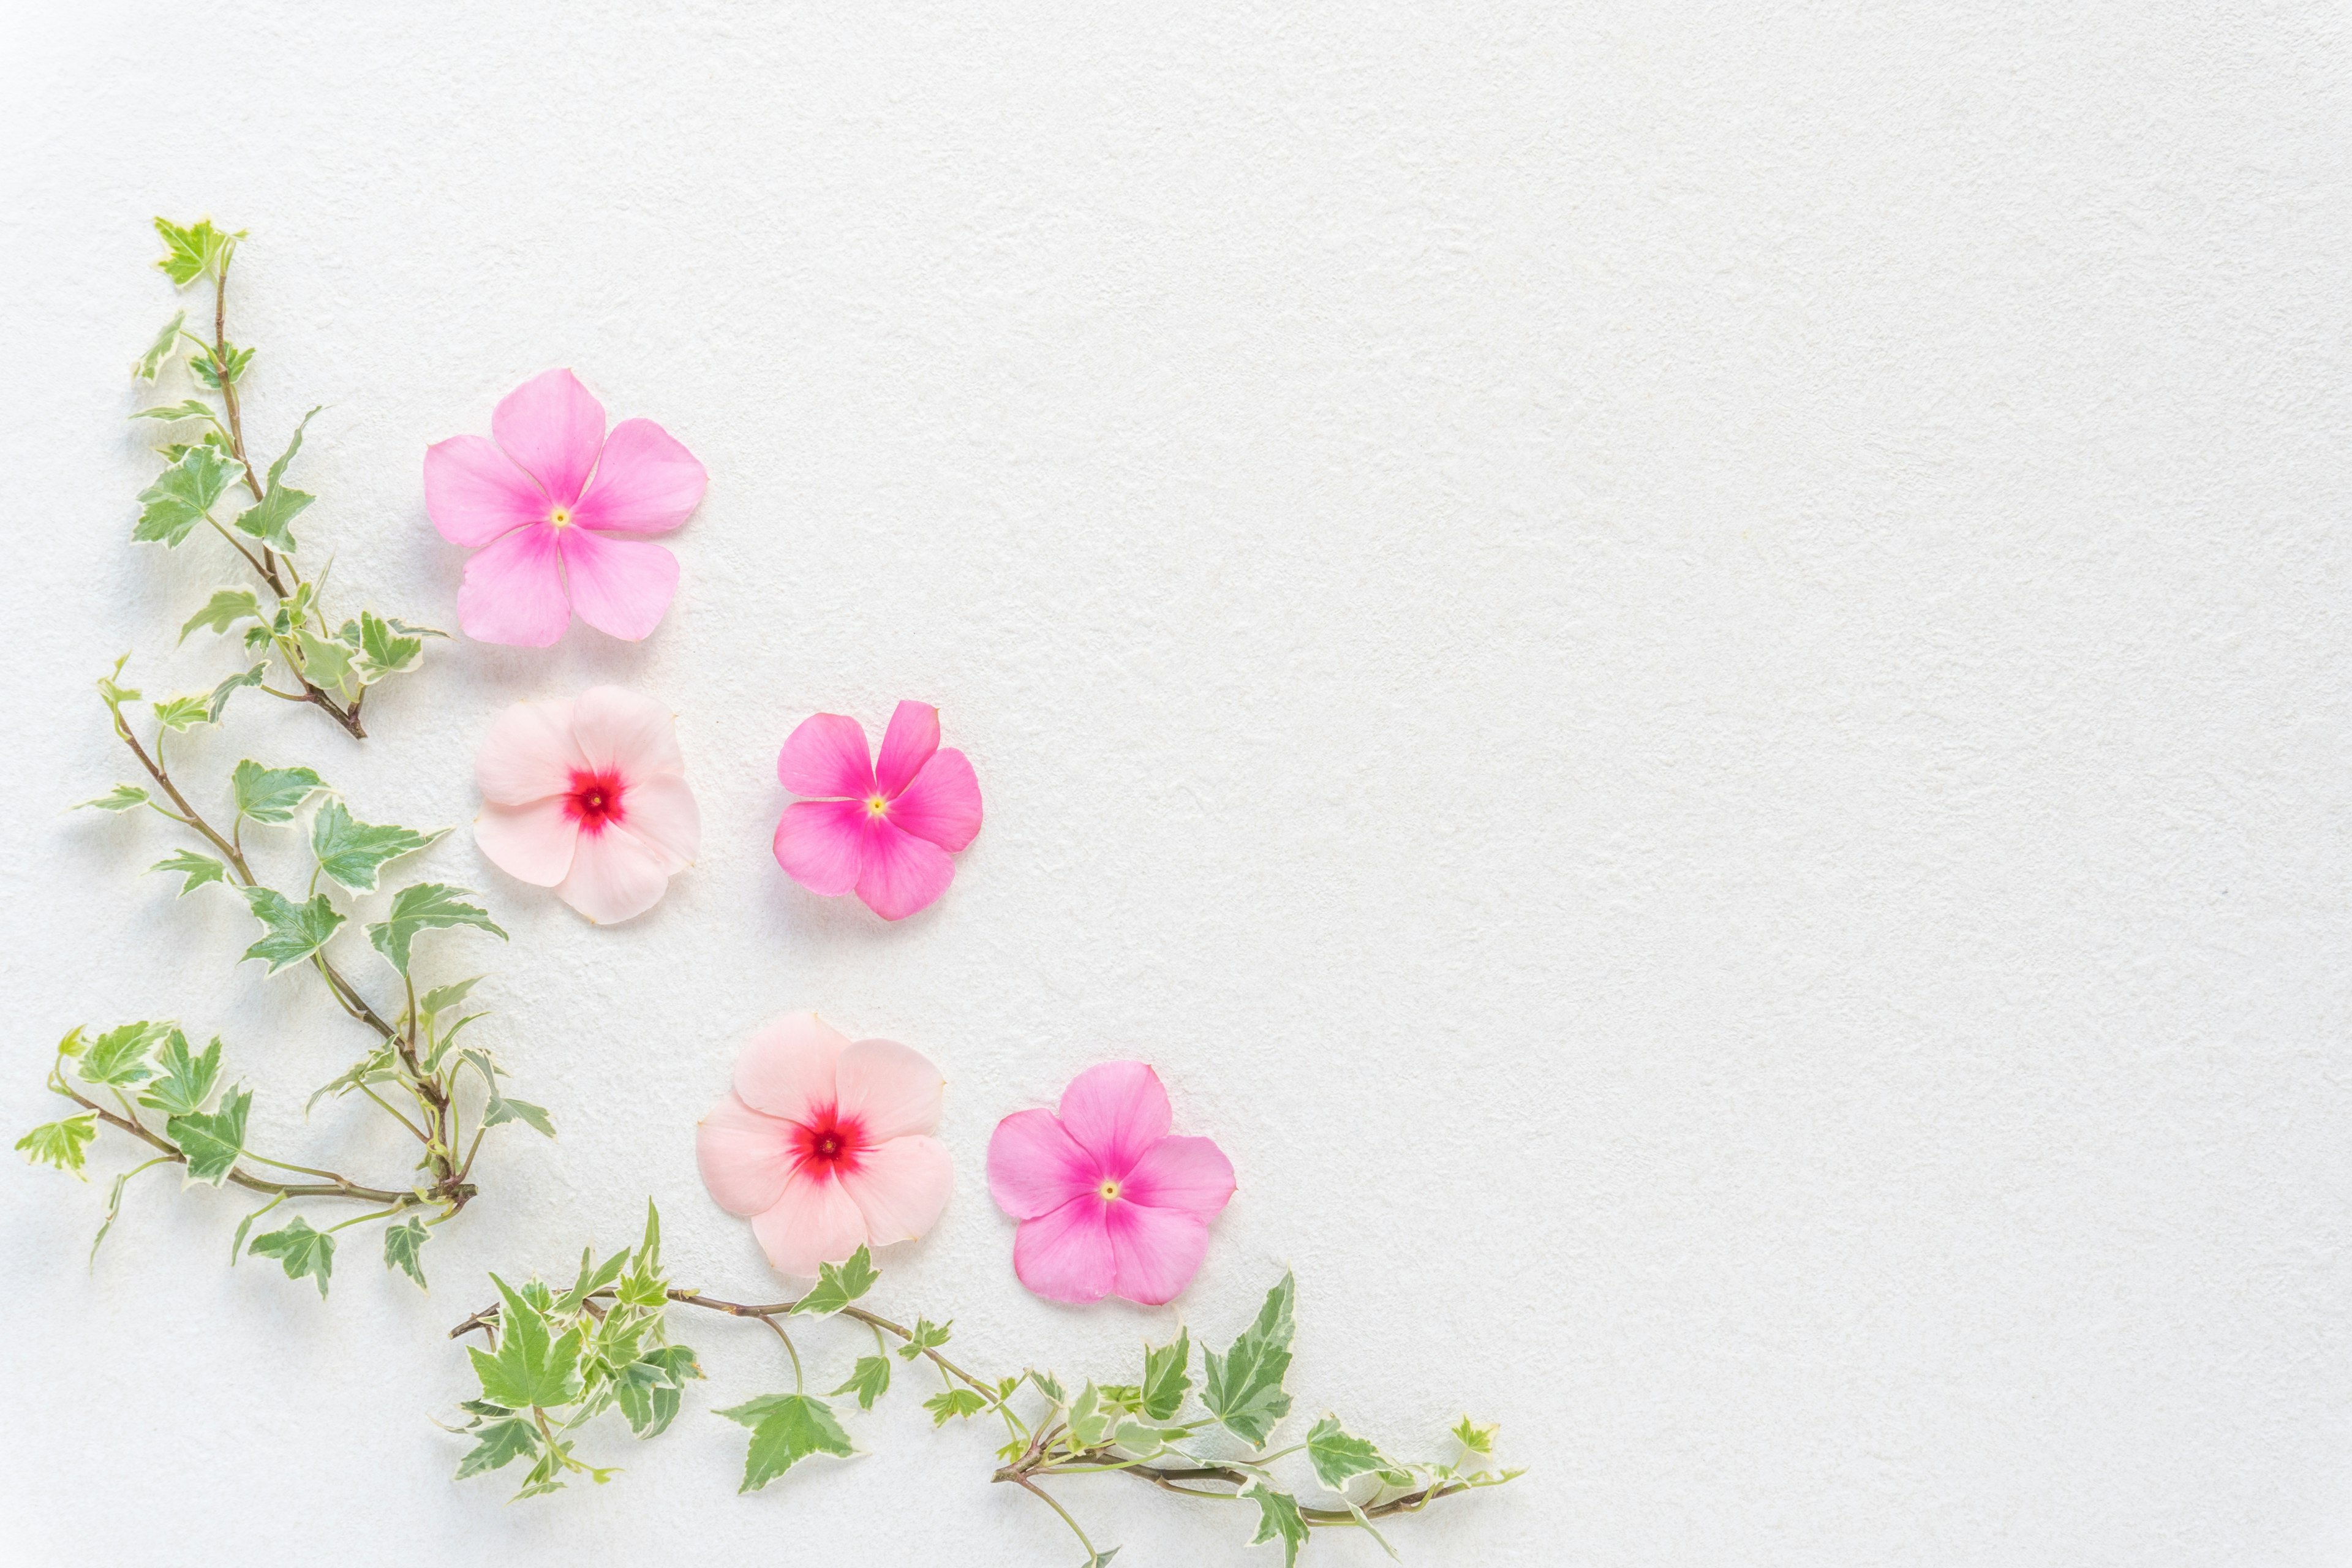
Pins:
x: 237, y: 1242
x: 647, y: 1388
x: 1242, y: 1388
x: 159, y: 354
x: 122, y: 797
x: 1474, y: 1437
x: 502, y: 1110
x: 213, y: 1142
x: 1166, y: 1375
x: 927, y: 1335
x: 785, y: 1429
x: 195, y: 250
x: 296, y: 930
x: 1143, y: 1439
x: 60, y: 1144
x: 352, y: 852
x: 839, y: 1284
x: 1091, y: 1419
x: 188, y: 1079
x: 441, y: 998
x: 271, y: 794
x: 384, y: 652
x: 643, y: 1285
x: 1336, y: 1455
x: 119, y: 1057
x: 324, y: 663
x: 267, y: 519
x: 1049, y: 1385
x: 208, y: 373
x: 299, y: 1250
x: 591, y: 1280
x: 422, y: 907
x: 181, y: 497
x: 223, y: 610
x: 403, y: 1246
x: 111, y: 694
x: 189, y: 409
x: 183, y: 712
x: 531, y: 1366
x: 222, y: 692
x: 952, y: 1403
x: 869, y: 1380
x: 502, y: 1443
x: 1278, y: 1519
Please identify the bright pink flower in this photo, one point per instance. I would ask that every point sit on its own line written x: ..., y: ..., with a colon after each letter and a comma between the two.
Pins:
x: 884, y: 827
x: 589, y: 799
x: 1107, y: 1200
x: 549, y: 528
x: 825, y: 1145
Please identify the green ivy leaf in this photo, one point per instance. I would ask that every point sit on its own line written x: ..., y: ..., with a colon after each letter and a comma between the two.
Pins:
x: 195, y: 250
x: 352, y: 852
x: 1336, y: 1455
x: 60, y: 1144
x: 296, y: 930
x: 267, y: 519
x: 647, y: 1389
x: 1242, y: 1388
x: 183, y: 712
x: 1474, y: 1437
x: 213, y: 1142
x: 643, y: 1285
x: 839, y: 1284
x: 502, y: 1110
x: 927, y: 1335
x: 950, y: 1404
x: 502, y: 1443
x: 299, y: 1250
x: 374, y: 1068
x: 785, y: 1429
x: 223, y: 610
x: 188, y: 409
x: 425, y: 906
x: 113, y: 694
x: 1167, y: 1374
x: 404, y: 1245
x: 1143, y: 1439
x: 159, y: 354
x: 188, y: 1079
x: 271, y: 794
x: 1278, y: 1519
x: 591, y: 1279
x: 197, y: 869
x: 181, y: 497
x: 441, y: 998
x: 122, y: 797
x: 1091, y: 1419
x: 324, y: 663
x: 208, y: 373
x: 119, y: 1057
x: 869, y: 1380
x: 531, y: 1365
x: 383, y: 650
x: 222, y: 692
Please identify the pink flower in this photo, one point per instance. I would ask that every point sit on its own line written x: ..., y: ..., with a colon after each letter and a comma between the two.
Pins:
x: 884, y: 828
x: 1107, y: 1200
x: 548, y: 528
x: 826, y: 1145
x: 589, y: 799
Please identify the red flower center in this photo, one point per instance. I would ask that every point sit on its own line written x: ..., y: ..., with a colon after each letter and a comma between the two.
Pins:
x: 828, y: 1144
x: 595, y: 799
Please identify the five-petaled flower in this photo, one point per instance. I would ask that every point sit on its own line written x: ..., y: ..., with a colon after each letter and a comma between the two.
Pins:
x: 588, y: 797
x: 884, y: 827
x: 545, y: 502
x: 1107, y: 1199
x: 825, y: 1144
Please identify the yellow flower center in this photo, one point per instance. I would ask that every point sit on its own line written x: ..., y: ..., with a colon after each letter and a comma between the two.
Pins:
x: 876, y: 807
x: 1109, y: 1192
x: 561, y: 517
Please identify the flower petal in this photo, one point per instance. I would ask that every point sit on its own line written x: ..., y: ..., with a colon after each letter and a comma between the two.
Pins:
x: 1190, y: 1175
x: 551, y: 427
x: 825, y: 759
x: 621, y: 587
x: 892, y: 1089
x: 814, y: 1221
x: 821, y: 844
x: 513, y: 591
x: 629, y: 734
x: 646, y: 482
x: 1154, y: 1252
x: 530, y: 843
x: 661, y: 811
x: 786, y: 1068
x: 1116, y: 1111
x: 745, y: 1157
x: 1034, y: 1167
x: 900, y: 1188
x: 614, y: 875
x: 907, y: 746
x: 1066, y: 1255
x: 943, y: 803
x: 901, y: 873
x: 473, y: 492
x: 528, y: 753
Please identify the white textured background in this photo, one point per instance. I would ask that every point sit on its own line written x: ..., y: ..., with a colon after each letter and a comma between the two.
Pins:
x: 1684, y: 668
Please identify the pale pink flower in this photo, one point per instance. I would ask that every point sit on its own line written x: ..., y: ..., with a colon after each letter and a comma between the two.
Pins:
x: 588, y: 797
x: 547, y: 500
x: 825, y: 1144
x: 882, y: 827
x: 1108, y: 1201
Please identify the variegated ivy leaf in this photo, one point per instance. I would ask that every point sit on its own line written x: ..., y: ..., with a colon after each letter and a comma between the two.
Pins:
x: 374, y: 1068
x: 299, y: 1250
x: 187, y: 409
x: 1242, y: 1388
x: 785, y: 1429
x: 226, y: 688
x: 271, y: 794
x: 122, y: 797
x: 1091, y: 1419
x: 223, y: 610
x: 181, y: 497
x: 1166, y: 1375
x: 383, y: 650
x: 501, y: 1443
x: 868, y: 1379
x: 1279, y: 1519
x: 212, y: 1142
x: 267, y: 519
x: 502, y: 1108
x: 183, y: 712
x: 187, y: 1080
x: 208, y: 373
x: 425, y: 906
x: 119, y: 1057
x: 403, y: 1246
x: 955, y: 1404
x: 441, y: 998
x: 1143, y: 1439
x: 325, y: 663
x: 839, y: 1284
x: 110, y: 692
x: 159, y: 354
x: 295, y: 930
x: 60, y: 1144
x: 194, y: 250
x: 927, y: 1335
x: 352, y: 852
x: 532, y: 1365
x: 212, y: 441
x: 1336, y: 1455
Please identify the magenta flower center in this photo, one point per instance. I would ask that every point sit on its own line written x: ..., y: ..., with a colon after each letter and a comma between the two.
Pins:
x: 828, y: 1144
x: 595, y: 799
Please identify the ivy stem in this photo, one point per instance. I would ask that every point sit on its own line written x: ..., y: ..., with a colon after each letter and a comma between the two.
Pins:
x: 800, y: 1384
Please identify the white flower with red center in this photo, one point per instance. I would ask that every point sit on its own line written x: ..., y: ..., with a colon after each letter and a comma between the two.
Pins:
x: 588, y: 797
